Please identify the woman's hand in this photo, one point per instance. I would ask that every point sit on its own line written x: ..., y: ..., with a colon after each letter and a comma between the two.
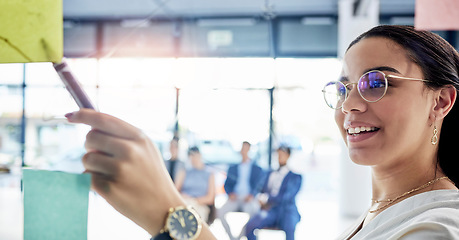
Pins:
x: 127, y: 170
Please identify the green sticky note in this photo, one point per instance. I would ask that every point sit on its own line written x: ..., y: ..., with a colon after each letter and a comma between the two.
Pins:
x: 55, y: 205
x: 31, y: 31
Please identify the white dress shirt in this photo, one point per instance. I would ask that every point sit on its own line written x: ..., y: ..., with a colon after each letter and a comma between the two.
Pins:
x: 275, y: 180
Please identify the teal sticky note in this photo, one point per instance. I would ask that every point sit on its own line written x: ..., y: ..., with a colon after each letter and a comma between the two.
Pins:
x: 55, y: 205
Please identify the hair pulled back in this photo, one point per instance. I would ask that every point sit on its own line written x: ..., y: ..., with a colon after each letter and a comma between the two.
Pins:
x: 439, y: 62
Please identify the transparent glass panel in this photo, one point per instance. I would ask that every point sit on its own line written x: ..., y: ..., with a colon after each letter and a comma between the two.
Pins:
x: 150, y: 109
x: 10, y: 126
x: 136, y: 72
x: 239, y: 73
x: 11, y: 73
x: 304, y: 122
x: 229, y: 116
x: 51, y: 142
x: 43, y: 74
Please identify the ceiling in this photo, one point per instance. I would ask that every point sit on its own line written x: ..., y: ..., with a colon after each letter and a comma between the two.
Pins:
x: 122, y: 9
x: 222, y: 27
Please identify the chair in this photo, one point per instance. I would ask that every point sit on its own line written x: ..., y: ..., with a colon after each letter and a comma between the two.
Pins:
x: 270, y: 233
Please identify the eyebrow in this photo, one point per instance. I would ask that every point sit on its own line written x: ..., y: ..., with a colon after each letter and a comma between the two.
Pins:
x: 379, y: 68
x: 382, y: 68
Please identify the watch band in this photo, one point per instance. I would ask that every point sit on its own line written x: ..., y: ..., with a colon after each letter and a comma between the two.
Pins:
x: 162, y: 236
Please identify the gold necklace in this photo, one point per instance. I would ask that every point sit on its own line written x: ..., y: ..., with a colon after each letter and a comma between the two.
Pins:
x: 393, y: 200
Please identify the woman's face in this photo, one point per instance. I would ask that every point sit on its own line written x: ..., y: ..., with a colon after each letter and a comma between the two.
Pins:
x: 195, y: 158
x: 400, y: 119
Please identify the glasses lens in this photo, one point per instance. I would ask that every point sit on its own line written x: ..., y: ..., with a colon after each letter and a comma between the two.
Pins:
x: 372, y: 86
x: 334, y: 94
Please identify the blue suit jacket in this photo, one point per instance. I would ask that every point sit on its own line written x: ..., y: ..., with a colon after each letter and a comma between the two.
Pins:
x: 257, y: 177
x: 284, y: 205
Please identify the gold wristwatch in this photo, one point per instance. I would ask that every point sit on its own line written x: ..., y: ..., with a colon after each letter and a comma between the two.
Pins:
x: 182, y: 223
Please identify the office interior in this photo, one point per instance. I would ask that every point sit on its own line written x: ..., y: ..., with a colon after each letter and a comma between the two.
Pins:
x: 214, y: 73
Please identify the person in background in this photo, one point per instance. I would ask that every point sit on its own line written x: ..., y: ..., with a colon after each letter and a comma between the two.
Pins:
x: 197, y: 184
x: 243, y: 182
x: 174, y: 165
x: 277, y: 200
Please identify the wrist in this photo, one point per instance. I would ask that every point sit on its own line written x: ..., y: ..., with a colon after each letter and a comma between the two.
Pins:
x: 156, y: 219
x: 181, y: 222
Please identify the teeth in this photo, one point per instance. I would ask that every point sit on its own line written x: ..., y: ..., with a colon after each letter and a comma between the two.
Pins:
x: 357, y: 130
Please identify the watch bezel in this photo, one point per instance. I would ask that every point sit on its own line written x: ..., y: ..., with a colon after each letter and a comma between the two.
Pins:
x: 170, y: 217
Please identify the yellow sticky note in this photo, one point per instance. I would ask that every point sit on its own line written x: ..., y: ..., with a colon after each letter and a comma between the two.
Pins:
x: 31, y: 31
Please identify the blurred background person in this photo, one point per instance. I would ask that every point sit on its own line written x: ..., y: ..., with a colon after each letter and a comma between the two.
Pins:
x: 197, y: 185
x: 277, y: 200
x: 243, y: 182
x: 174, y: 165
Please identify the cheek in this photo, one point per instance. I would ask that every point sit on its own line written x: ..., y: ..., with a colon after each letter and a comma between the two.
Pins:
x: 339, y: 119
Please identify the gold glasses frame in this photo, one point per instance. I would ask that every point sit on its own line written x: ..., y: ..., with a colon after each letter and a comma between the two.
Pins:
x: 347, y: 90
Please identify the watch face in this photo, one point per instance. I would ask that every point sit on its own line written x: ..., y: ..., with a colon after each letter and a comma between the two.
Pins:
x: 183, y: 224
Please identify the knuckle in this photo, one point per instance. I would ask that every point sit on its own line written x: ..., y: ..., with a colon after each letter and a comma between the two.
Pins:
x: 144, y: 140
x: 87, y: 145
x: 91, y: 134
x: 102, y: 121
x: 121, y: 167
x: 125, y: 149
x: 87, y: 158
x: 141, y: 136
x: 91, y: 137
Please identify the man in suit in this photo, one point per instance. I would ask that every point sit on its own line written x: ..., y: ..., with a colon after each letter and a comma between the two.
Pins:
x: 243, y: 182
x: 174, y: 165
x: 277, y: 199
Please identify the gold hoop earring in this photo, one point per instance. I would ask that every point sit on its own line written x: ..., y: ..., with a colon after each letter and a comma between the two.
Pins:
x: 434, y: 138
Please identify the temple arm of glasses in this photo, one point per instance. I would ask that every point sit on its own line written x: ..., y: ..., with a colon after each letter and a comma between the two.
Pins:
x: 407, y: 78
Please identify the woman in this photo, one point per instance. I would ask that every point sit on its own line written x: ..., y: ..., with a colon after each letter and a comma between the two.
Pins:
x: 197, y: 185
x: 395, y: 110
x: 405, y: 132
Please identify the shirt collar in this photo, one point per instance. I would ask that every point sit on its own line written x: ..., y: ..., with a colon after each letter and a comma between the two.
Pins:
x: 283, y: 169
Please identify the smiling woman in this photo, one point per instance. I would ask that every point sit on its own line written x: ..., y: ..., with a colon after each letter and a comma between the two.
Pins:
x: 399, y: 123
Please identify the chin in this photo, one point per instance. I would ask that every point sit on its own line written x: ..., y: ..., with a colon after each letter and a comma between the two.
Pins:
x: 362, y: 158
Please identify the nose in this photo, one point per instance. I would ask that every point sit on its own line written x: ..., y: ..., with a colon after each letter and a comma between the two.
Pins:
x: 354, y: 102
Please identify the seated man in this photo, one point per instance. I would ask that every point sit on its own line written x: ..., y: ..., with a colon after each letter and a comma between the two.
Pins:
x: 243, y: 182
x: 278, y: 207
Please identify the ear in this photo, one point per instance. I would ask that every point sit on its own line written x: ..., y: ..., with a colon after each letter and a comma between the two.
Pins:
x: 444, y: 101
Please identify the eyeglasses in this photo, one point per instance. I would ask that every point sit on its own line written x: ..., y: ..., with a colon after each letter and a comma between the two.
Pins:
x: 372, y: 86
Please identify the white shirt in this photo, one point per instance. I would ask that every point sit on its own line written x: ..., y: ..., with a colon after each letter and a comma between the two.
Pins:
x: 275, y: 180
x: 430, y: 215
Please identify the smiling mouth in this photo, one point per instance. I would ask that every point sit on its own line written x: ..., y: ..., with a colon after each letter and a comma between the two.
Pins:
x: 361, y: 130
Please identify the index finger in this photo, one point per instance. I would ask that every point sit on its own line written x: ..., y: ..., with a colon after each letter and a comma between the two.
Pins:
x: 105, y: 123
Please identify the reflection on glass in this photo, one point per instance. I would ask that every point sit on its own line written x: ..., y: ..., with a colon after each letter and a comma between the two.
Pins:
x: 222, y: 102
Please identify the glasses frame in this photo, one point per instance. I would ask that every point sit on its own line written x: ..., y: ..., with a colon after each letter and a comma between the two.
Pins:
x: 347, y: 90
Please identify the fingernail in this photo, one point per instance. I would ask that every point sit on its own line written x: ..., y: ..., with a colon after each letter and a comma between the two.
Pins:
x: 69, y: 115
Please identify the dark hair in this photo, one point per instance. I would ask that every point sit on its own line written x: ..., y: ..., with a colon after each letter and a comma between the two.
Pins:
x: 245, y: 142
x: 192, y: 150
x: 285, y: 148
x: 439, y: 62
x: 175, y: 139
